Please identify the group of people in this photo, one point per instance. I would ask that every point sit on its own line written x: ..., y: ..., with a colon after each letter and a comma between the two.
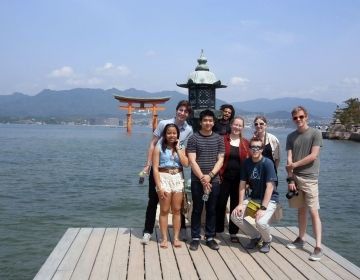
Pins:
x: 224, y: 164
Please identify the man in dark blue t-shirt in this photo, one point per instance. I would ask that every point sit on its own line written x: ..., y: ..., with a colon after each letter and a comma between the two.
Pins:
x: 259, y: 172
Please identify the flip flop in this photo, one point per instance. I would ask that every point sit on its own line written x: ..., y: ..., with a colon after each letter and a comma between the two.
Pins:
x: 177, y: 243
x: 164, y: 244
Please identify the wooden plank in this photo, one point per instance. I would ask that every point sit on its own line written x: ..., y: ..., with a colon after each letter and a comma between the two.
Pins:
x: 136, y: 257
x: 217, y: 263
x: 167, y: 260
x: 51, y: 264
x: 119, y: 262
x: 152, y: 260
x: 262, y: 260
x: 68, y: 264
x: 279, y: 244
x: 317, y: 265
x: 184, y: 262
x: 352, y: 268
x: 87, y: 259
x: 103, y: 260
x: 236, y: 267
x: 202, y: 265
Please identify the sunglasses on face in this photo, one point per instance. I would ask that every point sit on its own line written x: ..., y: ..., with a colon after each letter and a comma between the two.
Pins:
x: 299, y: 118
x: 256, y: 148
x: 259, y: 124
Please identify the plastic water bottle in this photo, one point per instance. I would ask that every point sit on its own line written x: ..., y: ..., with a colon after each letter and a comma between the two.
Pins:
x: 205, y: 196
x: 142, y: 175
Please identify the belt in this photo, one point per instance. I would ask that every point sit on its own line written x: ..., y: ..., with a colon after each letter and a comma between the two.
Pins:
x: 170, y: 170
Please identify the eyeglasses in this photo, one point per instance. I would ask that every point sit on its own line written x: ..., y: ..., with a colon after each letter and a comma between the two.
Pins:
x: 259, y: 124
x: 256, y: 148
x: 299, y: 118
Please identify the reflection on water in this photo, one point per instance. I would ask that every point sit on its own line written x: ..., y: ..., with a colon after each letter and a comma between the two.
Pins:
x: 55, y: 177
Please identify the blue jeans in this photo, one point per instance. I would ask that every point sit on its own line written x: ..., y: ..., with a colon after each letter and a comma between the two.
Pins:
x: 210, y: 206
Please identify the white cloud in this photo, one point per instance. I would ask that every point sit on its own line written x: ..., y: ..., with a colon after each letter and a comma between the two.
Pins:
x: 63, y: 72
x: 239, y: 81
x: 112, y: 70
x: 86, y: 82
x: 351, y: 81
x: 150, y: 53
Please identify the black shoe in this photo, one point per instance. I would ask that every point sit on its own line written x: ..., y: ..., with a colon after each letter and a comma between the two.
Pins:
x: 253, y: 243
x: 194, y: 245
x: 212, y: 244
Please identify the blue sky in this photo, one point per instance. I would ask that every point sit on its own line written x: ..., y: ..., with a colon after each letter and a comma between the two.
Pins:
x: 260, y: 49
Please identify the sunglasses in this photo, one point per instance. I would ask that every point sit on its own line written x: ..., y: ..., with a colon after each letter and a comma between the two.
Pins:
x: 256, y: 148
x: 299, y: 118
x: 259, y: 124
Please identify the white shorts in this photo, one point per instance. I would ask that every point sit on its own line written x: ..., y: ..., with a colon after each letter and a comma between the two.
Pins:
x: 172, y: 182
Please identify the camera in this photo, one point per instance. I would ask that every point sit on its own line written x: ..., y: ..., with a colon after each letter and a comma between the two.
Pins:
x: 290, y: 194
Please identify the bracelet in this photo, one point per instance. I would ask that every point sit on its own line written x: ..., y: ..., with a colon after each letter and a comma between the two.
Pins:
x: 289, y: 180
x: 211, y: 174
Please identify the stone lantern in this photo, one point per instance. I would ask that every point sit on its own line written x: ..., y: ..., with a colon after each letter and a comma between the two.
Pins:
x: 202, y: 85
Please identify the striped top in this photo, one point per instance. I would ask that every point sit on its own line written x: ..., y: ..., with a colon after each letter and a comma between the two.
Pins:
x: 207, y: 149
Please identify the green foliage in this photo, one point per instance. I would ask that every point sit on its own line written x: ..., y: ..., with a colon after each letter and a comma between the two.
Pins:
x: 349, y: 115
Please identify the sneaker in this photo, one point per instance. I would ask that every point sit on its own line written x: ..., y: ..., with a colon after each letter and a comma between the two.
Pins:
x: 297, y: 243
x: 194, y: 244
x: 146, y: 238
x: 265, y: 248
x: 212, y: 244
x: 317, y: 254
x: 253, y: 243
x: 183, y: 234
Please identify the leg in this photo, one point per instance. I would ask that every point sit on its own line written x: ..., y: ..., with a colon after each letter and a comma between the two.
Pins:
x: 302, y: 220
x: 176, y: 208
x: 198, y: 204
x: 262, y: 224
x: 210, y: 205
x: 221, y: 206
x: 316, y: 222
x: 151, y: 206
x: 234, y: 201
x: 163, y: 219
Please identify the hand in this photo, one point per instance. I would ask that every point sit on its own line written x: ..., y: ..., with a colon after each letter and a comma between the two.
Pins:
x: 259, y: 214
x: 292, y: 186
x: 146, y: 169
x: 162, y: 194
x: 237, y: 211
x: 290, y: 167
x: 205, y: 179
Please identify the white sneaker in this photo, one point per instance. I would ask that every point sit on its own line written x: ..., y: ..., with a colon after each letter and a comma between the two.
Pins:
x: 183, y: 235
x: 146, y: 238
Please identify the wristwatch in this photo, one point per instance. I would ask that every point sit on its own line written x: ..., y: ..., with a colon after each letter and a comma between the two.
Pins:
x: 262, y: 207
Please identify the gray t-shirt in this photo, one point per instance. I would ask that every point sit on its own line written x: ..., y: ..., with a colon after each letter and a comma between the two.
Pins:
x: 301, y: 144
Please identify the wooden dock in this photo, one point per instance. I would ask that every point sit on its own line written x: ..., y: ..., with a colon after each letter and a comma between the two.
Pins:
x: 116, y: 253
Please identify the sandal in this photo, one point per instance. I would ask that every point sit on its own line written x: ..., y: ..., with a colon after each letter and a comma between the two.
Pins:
x: 234, y: 239
x: 164, y: 244
x: 177, y: 243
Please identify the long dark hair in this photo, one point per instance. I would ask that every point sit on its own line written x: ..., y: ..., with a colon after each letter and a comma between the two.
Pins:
x: 163, y: 135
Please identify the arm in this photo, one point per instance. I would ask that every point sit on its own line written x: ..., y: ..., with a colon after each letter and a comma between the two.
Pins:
x: 219, y: 163
x: 266, y: 199
x: 155, y: 161
x: 315, y: 150
x: 149, y: 158
x: 184, y: 160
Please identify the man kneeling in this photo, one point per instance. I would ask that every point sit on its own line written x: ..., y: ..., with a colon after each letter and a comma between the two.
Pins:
x: 259, y: 173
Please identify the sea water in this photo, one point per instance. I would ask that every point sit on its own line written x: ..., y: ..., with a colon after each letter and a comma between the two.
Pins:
x: 56, y: 177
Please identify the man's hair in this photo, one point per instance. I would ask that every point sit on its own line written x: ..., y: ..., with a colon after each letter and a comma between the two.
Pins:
x: 206, y: 113
x: 228, y: 106
x: 256, y: 139
x: 298, y: 109
x: 186, y: 104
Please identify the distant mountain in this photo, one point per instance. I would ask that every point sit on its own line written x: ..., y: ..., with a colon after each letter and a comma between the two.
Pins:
x: 266, y: 106
x: 84, y: 102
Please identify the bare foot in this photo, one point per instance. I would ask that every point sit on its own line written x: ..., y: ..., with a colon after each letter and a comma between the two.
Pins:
x: 177, y: 243
x: 164, y: 244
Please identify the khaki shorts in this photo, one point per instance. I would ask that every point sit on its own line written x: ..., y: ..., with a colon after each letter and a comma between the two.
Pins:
x: 308, y: 193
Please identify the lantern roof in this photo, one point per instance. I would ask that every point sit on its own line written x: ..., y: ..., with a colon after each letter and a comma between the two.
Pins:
x: 202, y: 75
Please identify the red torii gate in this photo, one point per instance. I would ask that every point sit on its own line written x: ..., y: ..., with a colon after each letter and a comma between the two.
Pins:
x: 142, y: 102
